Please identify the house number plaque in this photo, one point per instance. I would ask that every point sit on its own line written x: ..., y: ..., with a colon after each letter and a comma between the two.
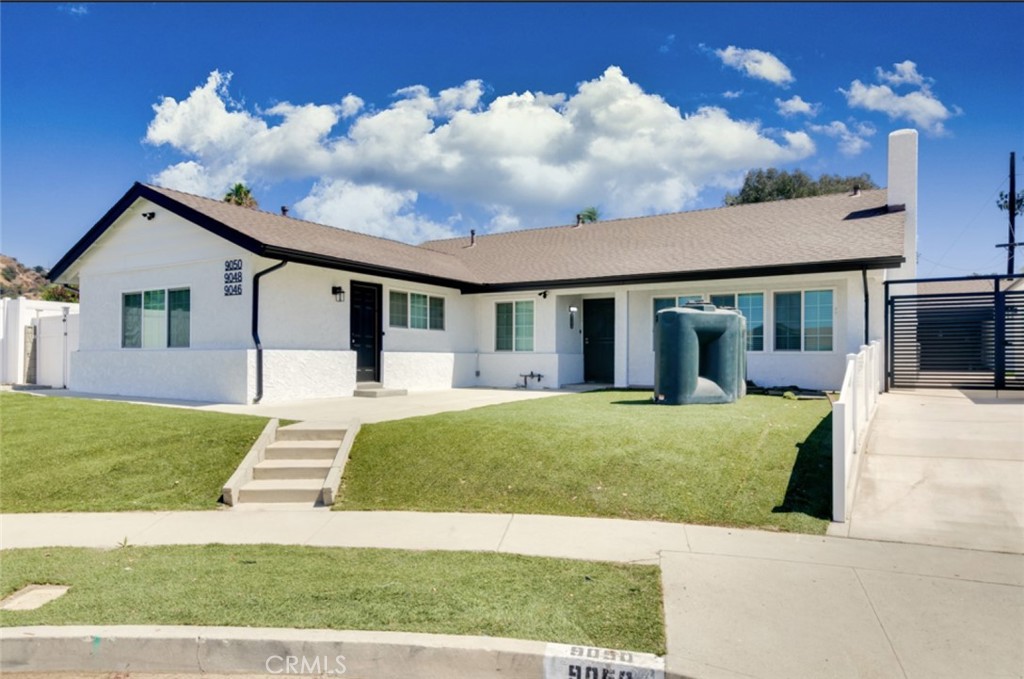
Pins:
x: 232, y: 277
x: 562, y: 661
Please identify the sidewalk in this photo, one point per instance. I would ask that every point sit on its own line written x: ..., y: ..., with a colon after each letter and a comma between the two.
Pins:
x: 738, y: 603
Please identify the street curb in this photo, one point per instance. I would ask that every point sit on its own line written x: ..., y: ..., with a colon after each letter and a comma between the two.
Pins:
x: 281, y: 652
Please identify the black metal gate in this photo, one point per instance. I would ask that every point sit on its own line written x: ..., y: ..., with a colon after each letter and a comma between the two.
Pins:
x: 955, y: 332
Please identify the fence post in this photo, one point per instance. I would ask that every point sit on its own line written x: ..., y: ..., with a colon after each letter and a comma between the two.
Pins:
x: 839, y: 414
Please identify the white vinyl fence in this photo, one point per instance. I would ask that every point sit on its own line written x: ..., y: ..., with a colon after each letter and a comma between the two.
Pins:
x: 851, y: 415
x: 56, y: 338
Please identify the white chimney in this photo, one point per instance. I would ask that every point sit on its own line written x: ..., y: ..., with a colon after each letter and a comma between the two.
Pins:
x: 903, y: 192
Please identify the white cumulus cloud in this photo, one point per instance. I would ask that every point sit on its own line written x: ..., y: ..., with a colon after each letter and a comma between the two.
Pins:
x: 520, y: 159
x: 795, y: 105
x: 372, y: 209
x: 851, y: 140
x: 756, y: 64
x: 920, y: 106
x: 903, y: 73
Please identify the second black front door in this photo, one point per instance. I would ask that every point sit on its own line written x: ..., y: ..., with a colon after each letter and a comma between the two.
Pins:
x: 599, y: 340
x: 365, y: 329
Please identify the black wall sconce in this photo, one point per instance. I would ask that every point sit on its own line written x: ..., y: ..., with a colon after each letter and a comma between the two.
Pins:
x: 543, y: 294
x: 149, y: 215
x: 572, y: 316
x: 338, y: 292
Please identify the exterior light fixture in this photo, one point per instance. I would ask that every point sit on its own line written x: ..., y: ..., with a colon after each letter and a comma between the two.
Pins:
x: 149, y: 215
x: 572, y: 316
x: 543, y: 294
x: 338, y: 292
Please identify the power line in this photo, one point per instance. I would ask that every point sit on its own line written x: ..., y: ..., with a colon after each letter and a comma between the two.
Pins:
x: 969, y: 224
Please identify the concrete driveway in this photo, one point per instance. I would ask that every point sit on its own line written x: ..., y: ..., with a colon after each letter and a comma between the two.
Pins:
x: 943, y: 467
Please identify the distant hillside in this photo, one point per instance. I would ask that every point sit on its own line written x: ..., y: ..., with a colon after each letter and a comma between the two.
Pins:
x: 18, y: 280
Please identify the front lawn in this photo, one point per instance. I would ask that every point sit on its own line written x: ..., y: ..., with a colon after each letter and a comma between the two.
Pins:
x: 503, y: 595
x: 67, y: 454
x: 761, y: 462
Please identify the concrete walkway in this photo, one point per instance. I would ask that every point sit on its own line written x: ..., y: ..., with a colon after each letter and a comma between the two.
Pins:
x: 943, y: 467
x: 738, y: 603
x: 347, y: 408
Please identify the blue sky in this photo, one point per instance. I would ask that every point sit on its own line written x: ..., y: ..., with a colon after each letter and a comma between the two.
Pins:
x: 416, y: 121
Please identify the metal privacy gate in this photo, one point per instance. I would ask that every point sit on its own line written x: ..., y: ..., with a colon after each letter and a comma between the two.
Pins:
x: 956, y: 333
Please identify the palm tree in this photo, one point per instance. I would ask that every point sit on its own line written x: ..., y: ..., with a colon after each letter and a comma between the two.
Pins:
x: 240, y: 194
x: 588, y: 215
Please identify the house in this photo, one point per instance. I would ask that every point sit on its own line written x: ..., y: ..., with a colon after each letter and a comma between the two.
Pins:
x: 192, y: 298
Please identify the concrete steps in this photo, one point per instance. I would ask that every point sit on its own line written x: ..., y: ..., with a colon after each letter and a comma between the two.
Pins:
x: 376, y: 390
x: 294, y: 466
x: 281, y: 490
x: 291, y: 469
x: 303, y: 450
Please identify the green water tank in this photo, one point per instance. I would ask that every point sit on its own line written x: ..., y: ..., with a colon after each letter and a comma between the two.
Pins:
x: 699, y: 355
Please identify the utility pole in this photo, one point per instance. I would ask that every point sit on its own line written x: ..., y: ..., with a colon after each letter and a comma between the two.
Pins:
x: 1011, y: 206
x: 1012, y: 240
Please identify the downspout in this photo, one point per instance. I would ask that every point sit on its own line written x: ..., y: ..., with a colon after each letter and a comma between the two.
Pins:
x: 867, y: 315
x: 256, y: 328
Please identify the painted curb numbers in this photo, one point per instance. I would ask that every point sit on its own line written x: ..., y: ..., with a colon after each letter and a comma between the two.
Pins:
x: 564, y: 661
x: 232, y: 277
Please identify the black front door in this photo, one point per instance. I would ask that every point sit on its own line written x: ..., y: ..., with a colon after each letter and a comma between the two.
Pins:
x: 365, y: 329
x: 599, y: 340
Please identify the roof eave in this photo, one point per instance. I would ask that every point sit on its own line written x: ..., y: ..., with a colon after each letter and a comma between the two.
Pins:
x: 886, y: 262
x: 328, y: 262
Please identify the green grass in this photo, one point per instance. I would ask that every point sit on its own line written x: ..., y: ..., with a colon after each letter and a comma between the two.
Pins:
x: 598, y: 604
x: 64, y: 454
x: 761, y: 462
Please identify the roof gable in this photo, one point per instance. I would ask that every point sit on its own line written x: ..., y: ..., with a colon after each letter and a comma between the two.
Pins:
x: 276, y: 236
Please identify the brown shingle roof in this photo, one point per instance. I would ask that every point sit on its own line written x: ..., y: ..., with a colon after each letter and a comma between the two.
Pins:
x: 296, y: 234
x: 827, y: 233
x: 764, y: 235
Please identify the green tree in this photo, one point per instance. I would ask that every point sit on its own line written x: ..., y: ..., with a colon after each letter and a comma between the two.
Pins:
x: 760, y: 186
x: 58, y: 293
x: 1004, y: 202
x: 588, y: 215
x: 240, y: 194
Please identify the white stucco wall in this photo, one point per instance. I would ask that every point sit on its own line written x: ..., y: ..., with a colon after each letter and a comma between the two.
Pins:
x: 503, y: 369
x: 137, y: 254
x: 427, y: 370
x: 189, y: 374
x: 294, y: 374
